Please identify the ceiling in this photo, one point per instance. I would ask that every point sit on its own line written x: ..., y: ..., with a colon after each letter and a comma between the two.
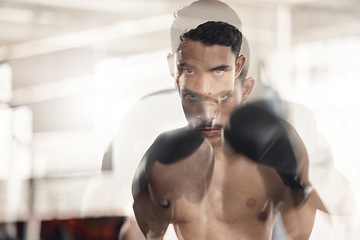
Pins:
x: 32, y: 27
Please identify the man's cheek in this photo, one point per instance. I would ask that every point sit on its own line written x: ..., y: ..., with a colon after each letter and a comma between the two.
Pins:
x: 191, y: 116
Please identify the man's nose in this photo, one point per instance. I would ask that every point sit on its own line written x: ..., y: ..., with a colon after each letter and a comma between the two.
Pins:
x: 210, y: 110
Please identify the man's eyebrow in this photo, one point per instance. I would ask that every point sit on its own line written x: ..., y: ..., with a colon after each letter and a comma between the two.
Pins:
x: 185, y: 64
x: 187, y: 91
x: 220, y: 67
x: 222, y: 93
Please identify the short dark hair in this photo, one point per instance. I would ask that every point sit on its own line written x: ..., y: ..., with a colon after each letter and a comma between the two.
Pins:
x: 212, y: 33
x: 198, y: 12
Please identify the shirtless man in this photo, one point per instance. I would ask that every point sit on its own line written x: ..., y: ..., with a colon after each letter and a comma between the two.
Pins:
x: 233, y: 168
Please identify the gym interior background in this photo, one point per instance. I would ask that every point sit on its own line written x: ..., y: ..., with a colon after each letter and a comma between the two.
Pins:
x: 70, y: 71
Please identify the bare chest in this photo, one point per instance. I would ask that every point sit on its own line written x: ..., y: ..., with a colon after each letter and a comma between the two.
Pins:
x: 222, y: 189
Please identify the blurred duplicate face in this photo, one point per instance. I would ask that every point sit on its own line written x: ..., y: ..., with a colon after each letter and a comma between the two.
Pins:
x: 206, y: 82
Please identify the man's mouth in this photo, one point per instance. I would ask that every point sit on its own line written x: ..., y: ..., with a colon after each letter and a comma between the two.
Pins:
x: 210, y: 131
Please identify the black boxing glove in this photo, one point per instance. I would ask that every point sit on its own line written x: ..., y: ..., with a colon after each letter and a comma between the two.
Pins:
x: 168, y: 148
x: 263, y: 137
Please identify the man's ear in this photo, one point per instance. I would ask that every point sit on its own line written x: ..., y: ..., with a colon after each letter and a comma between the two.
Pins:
x: 247, y: 87
x: 239, y: 64
x: 170, y: 60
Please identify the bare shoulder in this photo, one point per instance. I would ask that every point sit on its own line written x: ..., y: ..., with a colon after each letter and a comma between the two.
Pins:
x: 186, y: 177
x: 169, y: 148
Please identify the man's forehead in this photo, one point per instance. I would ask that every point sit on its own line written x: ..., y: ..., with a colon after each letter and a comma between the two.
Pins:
x: 195, y: 50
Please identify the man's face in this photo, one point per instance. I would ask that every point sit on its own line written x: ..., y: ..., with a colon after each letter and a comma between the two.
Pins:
x: 207, y: 87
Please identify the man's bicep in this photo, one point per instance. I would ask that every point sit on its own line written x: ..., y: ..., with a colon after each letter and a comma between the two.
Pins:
x: 299, y: 221
x: 152, y: 221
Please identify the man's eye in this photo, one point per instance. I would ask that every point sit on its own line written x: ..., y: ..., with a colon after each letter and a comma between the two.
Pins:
x: 219, y: 72
x: 225, y: 97
x: 189, y: 71
x: 191, y: 97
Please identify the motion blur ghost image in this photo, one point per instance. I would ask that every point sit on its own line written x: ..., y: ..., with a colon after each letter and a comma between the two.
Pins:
x: 179, y: 119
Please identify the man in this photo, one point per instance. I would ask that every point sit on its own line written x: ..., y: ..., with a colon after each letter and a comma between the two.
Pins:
x: 207, y: 185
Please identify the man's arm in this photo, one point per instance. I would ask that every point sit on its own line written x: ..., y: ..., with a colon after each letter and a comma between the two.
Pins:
x: 152, y: 214
x: 299, y: 221
x: 255, y: 132
x: 300, y: 216
x: 152, y: 221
